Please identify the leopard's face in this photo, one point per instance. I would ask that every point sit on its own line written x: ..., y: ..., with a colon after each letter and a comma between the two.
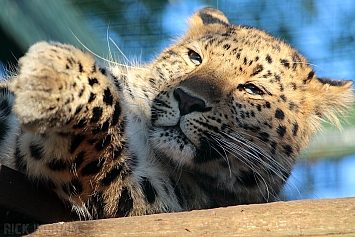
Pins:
x: 234, y: 103
x: 234, y: 107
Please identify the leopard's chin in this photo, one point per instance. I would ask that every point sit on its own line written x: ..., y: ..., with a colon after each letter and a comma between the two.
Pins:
x: 173, y: 145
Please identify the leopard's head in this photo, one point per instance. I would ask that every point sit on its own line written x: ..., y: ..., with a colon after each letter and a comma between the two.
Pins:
x: 237, y: 104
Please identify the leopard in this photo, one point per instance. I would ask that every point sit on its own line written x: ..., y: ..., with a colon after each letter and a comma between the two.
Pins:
x: 218, y: 119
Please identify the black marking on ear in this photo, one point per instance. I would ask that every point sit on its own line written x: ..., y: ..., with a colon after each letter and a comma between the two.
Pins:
x: 333, y: 82
x: 36, y: 151
x: 125, y: 203
x: 309, y: 77
x: 246, y: 27
x: 209, y: 19
x: 148, y: 190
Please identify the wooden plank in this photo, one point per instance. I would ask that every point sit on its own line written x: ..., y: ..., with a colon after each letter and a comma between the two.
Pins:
x: 19, y: 195
x: 327, y: 217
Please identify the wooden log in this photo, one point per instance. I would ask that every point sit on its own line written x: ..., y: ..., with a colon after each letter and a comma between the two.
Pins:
x: 325, y: 217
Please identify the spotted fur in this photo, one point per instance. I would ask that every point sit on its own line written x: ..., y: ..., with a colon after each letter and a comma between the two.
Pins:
x: 217, y: 119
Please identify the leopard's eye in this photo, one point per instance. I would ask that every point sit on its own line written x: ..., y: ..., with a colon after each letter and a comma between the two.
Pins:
x: 251, y: 89
x: 194, y: 57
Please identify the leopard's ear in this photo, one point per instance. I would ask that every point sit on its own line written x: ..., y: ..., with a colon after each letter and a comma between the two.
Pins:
x: 207, y: 19
x: 208, y: 16
x: 338, y: 97
x: 333, y: 82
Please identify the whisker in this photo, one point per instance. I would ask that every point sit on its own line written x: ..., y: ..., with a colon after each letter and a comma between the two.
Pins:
x: 246, y: 162
x: 225, y: 157
x: 98, y: 56
x: 119, y: 49
x: 255, y: 157
x: 108, y: 43
x: 260, y: 151
x: 254, y: 154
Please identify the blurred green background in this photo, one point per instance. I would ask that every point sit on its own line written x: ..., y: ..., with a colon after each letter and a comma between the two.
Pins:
x: 324, y: 31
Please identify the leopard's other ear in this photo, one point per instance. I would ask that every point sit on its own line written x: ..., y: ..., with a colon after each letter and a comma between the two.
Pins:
x: 337, y: 99
x: 207, y: 19
x: 332, y: 82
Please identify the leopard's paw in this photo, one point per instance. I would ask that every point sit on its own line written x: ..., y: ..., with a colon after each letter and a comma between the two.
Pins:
x: 50, y: 85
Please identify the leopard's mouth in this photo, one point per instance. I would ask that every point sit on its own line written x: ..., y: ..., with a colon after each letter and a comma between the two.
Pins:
x: 179, y: 135
x: 167, y: 138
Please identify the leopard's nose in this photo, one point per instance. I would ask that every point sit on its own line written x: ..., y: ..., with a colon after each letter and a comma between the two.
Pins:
x: 188, y: 103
